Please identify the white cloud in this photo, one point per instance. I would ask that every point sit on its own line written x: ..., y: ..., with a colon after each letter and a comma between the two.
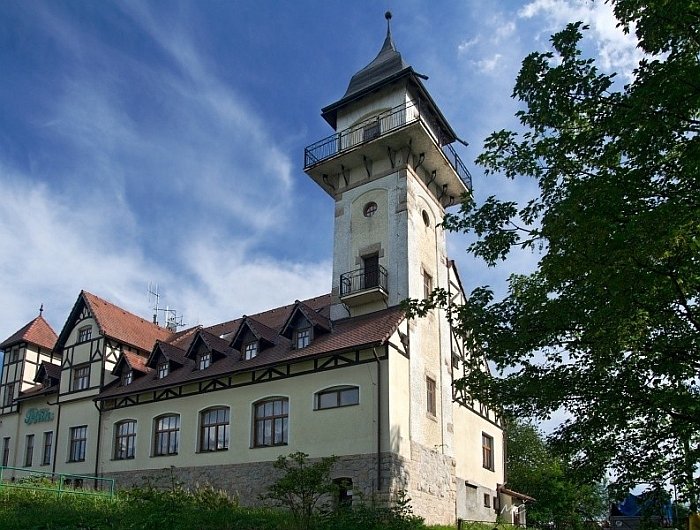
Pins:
x: 617, y: 51
x: 488, y: 64
x: 466, y: 45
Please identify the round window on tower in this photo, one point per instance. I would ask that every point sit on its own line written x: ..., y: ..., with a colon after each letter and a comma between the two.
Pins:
x: 370, y: 209
x: 426, y: 218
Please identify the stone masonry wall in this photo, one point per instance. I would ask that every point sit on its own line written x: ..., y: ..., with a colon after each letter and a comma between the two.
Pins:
x: 428, y: 479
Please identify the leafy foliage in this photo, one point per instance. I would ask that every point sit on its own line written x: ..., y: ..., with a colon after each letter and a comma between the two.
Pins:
x: 560, y: 499
x: 607, y: 327
x: 302, y: 485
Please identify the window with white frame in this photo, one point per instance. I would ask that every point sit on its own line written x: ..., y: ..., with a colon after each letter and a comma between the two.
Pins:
x: 167, y: 435
x: 163, y: 369
x: 302, y: 338
x: 77, y: 443
x: 250, y: 350
x: 203, y: 360
x: 338, y: 396
x: 214, y: 429
x: 127, y: 377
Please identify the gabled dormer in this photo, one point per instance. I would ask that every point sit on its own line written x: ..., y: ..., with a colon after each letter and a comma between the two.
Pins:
x: 206, y: 349
x: 303, y: 325
x: 48, y: 375
x: 166, y: 358
x: 130, y: 367
x: 252, y: 337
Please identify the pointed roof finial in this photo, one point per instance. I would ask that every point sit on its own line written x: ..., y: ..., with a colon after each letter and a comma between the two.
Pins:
x: 41, y: 310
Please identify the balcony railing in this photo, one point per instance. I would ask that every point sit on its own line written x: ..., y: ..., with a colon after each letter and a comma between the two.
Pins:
x: 363, y: 279
x: 394, y: 119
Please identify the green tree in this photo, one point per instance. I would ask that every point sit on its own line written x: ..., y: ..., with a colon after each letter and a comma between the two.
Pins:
x: 607, y: 327
x: 533, y: 469
x: 301, y: 486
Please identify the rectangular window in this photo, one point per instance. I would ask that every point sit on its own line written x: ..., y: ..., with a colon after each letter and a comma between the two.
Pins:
x: 371, y: 131
x: 127, y: 377
x: 271, y: 423
x: 48, y: 447
x: 487, y: 450
x: 14, y: 357
x: 427, y: 285
x: 85, y: 334
x: 78, y: 443
x: 29, y: 450
x: 125, y: 440
x: 81, y: 377
x: 430, y: 396
x: 203, y: 360
x: 302, y: 338
x: 214, y: 430
x: 9, y: 395
x: 163, y: 369
x: 5, y: 450
x: 487, y: 500
x: 167, y: 436
x: 337, y: 397
x: 251, y: 350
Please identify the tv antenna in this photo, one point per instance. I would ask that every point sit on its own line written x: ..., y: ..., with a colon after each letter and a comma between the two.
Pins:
x: 172, y: 319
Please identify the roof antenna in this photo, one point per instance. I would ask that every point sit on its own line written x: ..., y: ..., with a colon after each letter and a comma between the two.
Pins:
x: 41, y: 310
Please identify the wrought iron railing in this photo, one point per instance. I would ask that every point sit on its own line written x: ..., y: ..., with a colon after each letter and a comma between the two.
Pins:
x: 381, y: 125
x: 362, y: 279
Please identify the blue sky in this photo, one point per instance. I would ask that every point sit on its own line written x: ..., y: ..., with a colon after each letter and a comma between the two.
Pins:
x: 163, y: 141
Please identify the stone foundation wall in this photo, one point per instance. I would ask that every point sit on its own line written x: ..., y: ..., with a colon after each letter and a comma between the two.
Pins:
x: 428, y: 478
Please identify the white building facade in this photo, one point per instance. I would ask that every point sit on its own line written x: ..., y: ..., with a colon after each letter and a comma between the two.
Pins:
x: 343, y: 374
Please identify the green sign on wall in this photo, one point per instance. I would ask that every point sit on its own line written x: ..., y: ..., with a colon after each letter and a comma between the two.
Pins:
x: 38, y: 416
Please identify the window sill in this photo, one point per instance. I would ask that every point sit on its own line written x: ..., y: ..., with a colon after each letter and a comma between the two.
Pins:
x: 166, y: 454
x: 268, y: 446
x: 208, y: 451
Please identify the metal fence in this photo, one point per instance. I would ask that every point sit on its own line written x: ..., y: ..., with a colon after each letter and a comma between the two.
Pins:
x: 59, y: 483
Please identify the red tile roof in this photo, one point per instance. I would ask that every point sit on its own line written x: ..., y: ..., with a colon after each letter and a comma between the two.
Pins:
x: 38, y: 332
x: 136, y: 362
x: 126, y: 327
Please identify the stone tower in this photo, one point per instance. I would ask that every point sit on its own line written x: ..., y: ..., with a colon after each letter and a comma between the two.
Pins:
x: 392, y: 172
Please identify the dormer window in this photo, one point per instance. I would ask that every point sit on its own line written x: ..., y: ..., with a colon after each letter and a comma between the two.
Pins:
x: 203, y: 360
x: 163, y: 369
x: 127, y: 377
x: 302, y: 338
x: 250, y: 350
x: 85, y: 334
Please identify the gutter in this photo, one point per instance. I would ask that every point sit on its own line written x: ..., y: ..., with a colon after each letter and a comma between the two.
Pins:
x: 379, y: 416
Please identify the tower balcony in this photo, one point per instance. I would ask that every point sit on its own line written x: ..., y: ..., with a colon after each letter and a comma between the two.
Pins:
x: 363, y: 285
x: 410, y: 124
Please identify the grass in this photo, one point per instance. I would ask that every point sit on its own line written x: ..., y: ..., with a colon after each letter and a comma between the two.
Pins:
x: 174, y: 510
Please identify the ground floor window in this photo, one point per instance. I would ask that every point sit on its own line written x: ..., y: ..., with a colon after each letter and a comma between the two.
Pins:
x: 339, y: 396
x: 167, y: 436
x: 29, y: 450
x: 125, y: 440
x: 78, y: 443
x: 271, y: 422
x: 214, y: 429
x: 48, y: 446
x: 5, y: 450
x: 344, y: 491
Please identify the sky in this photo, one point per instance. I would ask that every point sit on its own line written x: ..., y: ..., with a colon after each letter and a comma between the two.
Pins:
x: 162, y: 142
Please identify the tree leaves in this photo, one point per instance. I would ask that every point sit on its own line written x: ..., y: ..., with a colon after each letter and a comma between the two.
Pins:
x: 608, y: 326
